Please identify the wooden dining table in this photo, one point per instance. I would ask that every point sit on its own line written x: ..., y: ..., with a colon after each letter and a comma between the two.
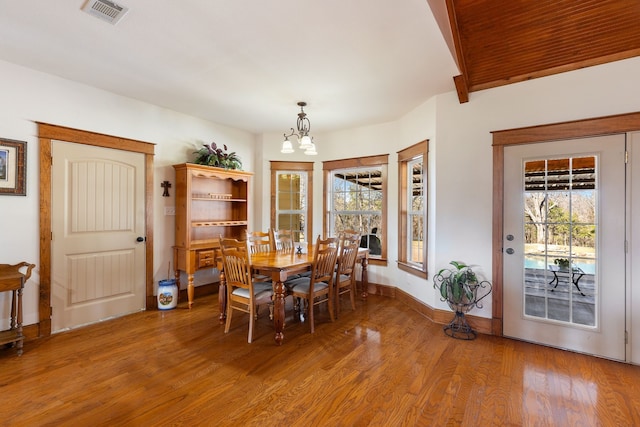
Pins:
x: 280, y: 266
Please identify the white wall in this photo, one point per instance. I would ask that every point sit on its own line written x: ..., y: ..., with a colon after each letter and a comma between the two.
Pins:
x: 30, y: 96
x: 460, y: 159
x: 464, y: 163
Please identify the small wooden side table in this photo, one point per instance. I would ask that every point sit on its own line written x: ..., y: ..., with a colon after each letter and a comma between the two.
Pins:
x: 11, y: 279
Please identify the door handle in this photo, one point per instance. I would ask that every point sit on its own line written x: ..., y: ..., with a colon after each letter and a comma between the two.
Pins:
x: 140, y: 239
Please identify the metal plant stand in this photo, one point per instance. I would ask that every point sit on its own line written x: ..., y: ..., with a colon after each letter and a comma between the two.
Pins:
x: 459, y: 328
x: 471, y: 296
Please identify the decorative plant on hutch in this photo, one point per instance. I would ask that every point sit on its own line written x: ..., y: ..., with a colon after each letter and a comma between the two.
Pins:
x: 212, y: 155
x: 462, y: 290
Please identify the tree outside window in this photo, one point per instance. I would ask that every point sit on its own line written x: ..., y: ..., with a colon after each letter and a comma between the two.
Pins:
x: 291, y: 206
x: 412, y: 216
x: 356, y: 200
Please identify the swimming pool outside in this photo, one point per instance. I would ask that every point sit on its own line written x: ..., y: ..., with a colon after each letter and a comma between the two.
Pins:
x: 537, y: 262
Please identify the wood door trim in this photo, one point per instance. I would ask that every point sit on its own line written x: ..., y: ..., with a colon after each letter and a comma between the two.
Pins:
x: 621, y: 123
x: 47, y: 133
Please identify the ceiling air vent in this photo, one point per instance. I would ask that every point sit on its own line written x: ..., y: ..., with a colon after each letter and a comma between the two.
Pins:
x: 105, y: 10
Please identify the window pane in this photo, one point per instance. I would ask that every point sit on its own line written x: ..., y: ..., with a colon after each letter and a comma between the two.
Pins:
x: 356, y: 204
x: 560, y: 235
x: 412, y: 209
x: 291, y: 204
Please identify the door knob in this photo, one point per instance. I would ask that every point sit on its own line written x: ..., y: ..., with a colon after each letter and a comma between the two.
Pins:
x: 140, y: 239
x: 510, y: 251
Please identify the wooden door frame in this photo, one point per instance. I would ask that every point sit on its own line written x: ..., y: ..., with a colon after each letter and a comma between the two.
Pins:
x: 46, y: 134
x: 621, y: 123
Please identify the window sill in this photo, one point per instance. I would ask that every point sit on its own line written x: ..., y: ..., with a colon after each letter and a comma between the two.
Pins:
x: 377, y: 261
x: 412, y: 269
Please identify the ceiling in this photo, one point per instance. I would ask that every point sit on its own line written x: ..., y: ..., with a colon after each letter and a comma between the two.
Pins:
x: 243, y: 63
x: 503, y: 42
x: 246, y: 64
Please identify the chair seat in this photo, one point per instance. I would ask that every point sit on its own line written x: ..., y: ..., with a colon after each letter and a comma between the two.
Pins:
x: 260, y: 291
x: 302, y: 284
x: 261, y: 278
x: 344, y: 277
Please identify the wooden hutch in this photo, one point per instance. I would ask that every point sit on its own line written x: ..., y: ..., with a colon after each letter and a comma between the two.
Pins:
x: 210, y: 202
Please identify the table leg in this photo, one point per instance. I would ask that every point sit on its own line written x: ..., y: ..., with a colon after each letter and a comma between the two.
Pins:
x: 14, y: 309
x: 190, y: 289
x: 222, y: 297
x: 575, y: 282
x: 176, y: 276
x: 278, y: 309
x: 19, y: 324
x: 365, y: 278
x: 555, y: 279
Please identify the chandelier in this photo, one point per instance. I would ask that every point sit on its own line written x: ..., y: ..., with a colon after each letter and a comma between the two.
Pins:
x: 302, y: 135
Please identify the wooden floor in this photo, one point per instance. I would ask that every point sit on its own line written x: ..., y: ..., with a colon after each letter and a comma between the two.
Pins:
x: 382, y: 365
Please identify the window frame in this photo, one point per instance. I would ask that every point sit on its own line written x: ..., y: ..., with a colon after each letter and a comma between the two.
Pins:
x: 405, y: 159
x: 292, y: 167
x: 329, y: 167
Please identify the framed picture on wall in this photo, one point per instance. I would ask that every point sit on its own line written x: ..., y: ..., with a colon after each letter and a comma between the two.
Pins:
x: 13, y: 167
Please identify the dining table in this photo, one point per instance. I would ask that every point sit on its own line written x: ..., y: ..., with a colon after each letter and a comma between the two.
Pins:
x: 280, y: 266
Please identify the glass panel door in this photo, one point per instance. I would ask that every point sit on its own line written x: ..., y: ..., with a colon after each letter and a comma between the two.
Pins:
x: 564, y: 279
x: 560, y: 229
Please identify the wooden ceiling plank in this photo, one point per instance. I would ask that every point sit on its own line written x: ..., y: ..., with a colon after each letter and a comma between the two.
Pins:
x: 506, y: 42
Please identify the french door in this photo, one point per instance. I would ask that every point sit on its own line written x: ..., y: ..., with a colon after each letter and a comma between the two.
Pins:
x: 564, y: 244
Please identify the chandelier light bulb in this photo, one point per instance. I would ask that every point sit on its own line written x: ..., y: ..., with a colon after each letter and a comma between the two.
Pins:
x: 311, y: 150
x: 303, y: 126
x: 287, y: 148
x: 305, y: 142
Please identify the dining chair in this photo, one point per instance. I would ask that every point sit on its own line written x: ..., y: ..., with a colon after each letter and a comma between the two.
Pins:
x: 282, y: 241
x: 318, y: 287
x: 259, y: 242
x: 349, y: 233
x: 243, y: 293
x: 346, y: 270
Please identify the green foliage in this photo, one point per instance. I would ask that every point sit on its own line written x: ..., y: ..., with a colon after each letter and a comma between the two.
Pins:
x: 562, y: 263
x: 457, y: 284
x: 212, y: 155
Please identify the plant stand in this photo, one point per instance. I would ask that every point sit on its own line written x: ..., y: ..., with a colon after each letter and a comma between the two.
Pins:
x: 462, y: 291
x: 459, y: 328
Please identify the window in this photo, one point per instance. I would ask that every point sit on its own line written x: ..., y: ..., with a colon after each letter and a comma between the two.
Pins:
x: 412, y: 215
x: 356, y: 199
x: 291, y: 206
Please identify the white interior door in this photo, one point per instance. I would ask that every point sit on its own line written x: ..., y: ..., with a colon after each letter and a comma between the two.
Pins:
x: 564, y: 257
x: 98, y: 264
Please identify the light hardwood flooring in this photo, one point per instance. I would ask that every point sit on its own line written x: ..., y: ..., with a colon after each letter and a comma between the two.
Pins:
x: 382, y: 365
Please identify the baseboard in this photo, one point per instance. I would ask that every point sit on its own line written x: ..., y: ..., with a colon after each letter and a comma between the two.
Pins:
x: 31, y: 332
x: 479, y: 324
x: 198, y: 291
x: 482, y: 325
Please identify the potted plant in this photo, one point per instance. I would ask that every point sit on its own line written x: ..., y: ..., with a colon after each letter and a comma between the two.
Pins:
x: 462, y: 290
x: 212, y: 155
x: 562, y: 263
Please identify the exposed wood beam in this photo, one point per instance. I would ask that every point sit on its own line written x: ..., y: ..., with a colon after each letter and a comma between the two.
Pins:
x: 461, y: 88
x: 461, y: 81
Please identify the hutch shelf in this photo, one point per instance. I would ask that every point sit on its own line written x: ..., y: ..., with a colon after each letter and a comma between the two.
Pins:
x: 211, y: 202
